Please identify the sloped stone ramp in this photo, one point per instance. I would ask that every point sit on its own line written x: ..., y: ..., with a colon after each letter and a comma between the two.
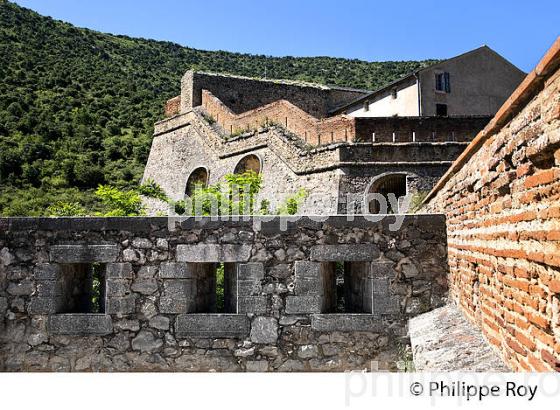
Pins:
x: 443, y: 340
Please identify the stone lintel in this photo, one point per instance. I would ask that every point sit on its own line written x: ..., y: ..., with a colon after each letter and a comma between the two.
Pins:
x: 208, y: 253
x: 83, y: 253
x: 346, y: 253
x: 80, y: 324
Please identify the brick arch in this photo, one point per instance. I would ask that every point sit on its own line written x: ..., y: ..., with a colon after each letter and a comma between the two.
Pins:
x: 250, y: 162
x: 199, y: 175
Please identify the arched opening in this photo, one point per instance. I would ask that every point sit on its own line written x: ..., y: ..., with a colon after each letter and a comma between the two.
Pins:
x: 199, y: 177
x: 248, y: 163
x: 394, y: 184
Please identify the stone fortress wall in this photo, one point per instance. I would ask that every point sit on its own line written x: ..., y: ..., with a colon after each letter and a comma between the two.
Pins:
x: 220, y: 119
x: 502, y: 202
x: 157, y: 299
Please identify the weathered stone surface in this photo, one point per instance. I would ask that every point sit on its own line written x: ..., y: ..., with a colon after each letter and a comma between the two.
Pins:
x: 443, y: 341
x: 173, y: 270
x: 256, y: 365
x: 253, y: 271
x: 6, y: 257
x: 307, y: 269
x: 46, y: 271
x: 292, y: 365
x: 145, y: 341
x: 308, y: 351
x: 202, y: 253
x: 23, y: 288
x: 83, y: 253
x: 251, y: 304
x: 173, y: 304
x: 41, y: 306
x: 212, y: 325
x: 119, y: 270
x: 346, y: 322
x: 159, y: 322
x: 303, y: 304
x: 335, y: 253
x: 264, y: 330
x: 144, y: 286
x: 142, y: 243
x: 80, y: 324
x: 120, y: 305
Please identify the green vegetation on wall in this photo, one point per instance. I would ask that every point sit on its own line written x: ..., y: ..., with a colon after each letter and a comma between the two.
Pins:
x: 77, y: 107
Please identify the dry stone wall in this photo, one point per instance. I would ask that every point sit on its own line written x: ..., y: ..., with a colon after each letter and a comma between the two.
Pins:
x: 157, y: 306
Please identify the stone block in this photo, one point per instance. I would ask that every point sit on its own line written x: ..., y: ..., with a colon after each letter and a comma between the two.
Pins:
x: 178, y: 287
x: 308, y: 287
x: 251, y: 304
x: 382, y: 270
x: 347, y: 253
x: 46, y: 271
x: 303, y: 304
x: 117, y: 287
x: 83, y: 253
x: 307, y: 269
x: 123, y: 305
x: 47, y: 288
x: 264, y: 330
x: 41, y: 306
x: 250, y: 271
x: 346, y: 322
x: 119, y: 271
x: 212, y: 325
x: 80, y: 324
x: 205, y: 253
x: 173, y: 270
x: 174, y: 304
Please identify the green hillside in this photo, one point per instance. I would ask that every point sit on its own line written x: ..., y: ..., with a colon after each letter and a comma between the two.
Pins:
x: 77, y: 106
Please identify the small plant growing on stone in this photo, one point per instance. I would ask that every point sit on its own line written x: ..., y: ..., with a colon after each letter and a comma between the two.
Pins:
x: 293, y: 202
x: 208, y: 118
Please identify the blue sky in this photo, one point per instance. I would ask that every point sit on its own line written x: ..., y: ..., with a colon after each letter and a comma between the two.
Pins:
x: 368, y: 30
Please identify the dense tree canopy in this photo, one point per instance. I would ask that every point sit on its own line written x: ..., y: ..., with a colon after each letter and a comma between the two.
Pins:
x: 77, y: 106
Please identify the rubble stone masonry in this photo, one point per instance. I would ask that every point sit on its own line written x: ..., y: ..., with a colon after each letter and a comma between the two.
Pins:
x: 502, y: 202
x: 157, y: 303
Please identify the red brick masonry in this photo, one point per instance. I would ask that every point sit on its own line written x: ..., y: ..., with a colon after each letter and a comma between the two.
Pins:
x: 502, y: 202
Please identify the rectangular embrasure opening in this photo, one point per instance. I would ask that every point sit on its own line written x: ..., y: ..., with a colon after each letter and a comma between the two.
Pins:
x: 80, y: 288
x: 345, y: 287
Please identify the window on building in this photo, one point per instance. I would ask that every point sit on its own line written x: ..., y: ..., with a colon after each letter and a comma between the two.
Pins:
x: 442, y: 82
x: 441, y: 110
x: 343, y: 290
x: 394, y: 93
x: 80, y: 288
x: 197, y: 178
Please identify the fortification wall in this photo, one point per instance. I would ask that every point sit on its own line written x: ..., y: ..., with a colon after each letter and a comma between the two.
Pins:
x: 427, y: 129
x: 157, y: 301
x: 242, y: 94
x: 502, y: 202
x: 310, y: 129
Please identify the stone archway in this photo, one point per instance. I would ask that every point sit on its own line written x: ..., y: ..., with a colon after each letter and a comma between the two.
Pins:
x: 249, y: 162
x: 199, y: 177
x: 385, y: 184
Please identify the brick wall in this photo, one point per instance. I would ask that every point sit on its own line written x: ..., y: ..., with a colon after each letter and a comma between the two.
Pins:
x: 502, y: 201
x: 314, y: 131
x: 172, y: 106
x: 243, y: 94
